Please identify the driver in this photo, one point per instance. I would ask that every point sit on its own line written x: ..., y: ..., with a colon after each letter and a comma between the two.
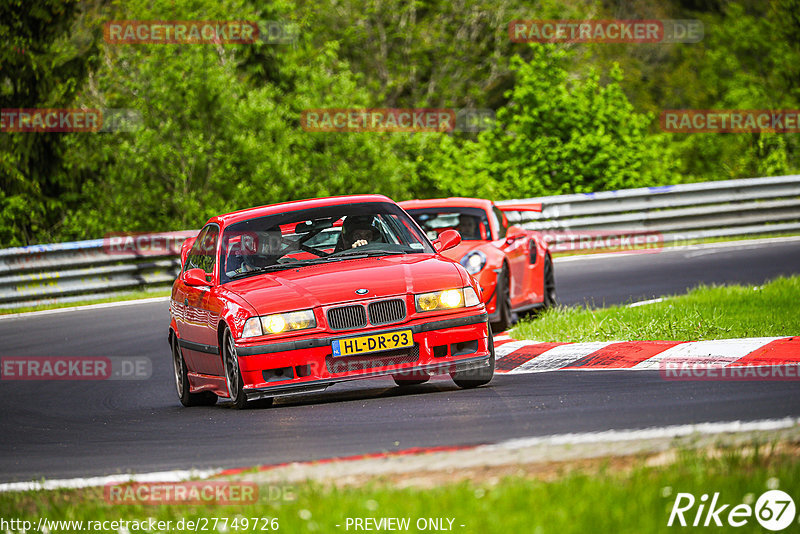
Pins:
x: 357, y: 231
x: 467, y: 227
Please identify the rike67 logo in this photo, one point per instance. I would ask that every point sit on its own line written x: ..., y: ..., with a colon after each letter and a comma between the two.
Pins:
x: 774, y: 510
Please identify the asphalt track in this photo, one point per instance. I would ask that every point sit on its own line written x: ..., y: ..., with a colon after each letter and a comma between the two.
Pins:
x: 75, y: 429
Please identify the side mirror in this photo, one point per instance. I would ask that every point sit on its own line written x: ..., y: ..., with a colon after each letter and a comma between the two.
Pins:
x: 447, y: 240
x: 195, y: 277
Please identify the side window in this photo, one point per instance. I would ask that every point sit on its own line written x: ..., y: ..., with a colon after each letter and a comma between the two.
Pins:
x: 203, y: 252
x: 502, y: 223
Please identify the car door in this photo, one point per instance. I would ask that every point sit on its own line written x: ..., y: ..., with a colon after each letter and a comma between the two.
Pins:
x: 515, y: 247
x: 201, y: 307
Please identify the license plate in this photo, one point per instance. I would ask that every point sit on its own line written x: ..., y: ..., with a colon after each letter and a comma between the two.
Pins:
x: 372, y: 343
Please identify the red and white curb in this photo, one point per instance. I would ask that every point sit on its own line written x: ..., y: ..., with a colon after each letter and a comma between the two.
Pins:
x: 516, y: 357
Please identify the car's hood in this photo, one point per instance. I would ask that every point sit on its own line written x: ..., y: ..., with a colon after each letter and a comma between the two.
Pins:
x: 321, y: 285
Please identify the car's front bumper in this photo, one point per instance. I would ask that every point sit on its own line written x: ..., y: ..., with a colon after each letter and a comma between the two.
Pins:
x: 307, y: 364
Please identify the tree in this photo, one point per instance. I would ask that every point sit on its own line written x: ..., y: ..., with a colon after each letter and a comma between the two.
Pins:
x: 558, y: 134
x: 43, y: 64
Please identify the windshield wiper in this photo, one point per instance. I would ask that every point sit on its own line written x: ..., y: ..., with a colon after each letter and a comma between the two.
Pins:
x: 365, y: 253
x: 260, y: 270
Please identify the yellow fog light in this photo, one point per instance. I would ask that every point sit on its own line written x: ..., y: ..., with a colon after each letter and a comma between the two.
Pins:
x: 428, y: 302
x: 300, y: 320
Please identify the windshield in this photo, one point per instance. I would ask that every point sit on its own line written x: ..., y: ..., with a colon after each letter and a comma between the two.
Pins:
x: 320, y: 235
x: 471, y: 223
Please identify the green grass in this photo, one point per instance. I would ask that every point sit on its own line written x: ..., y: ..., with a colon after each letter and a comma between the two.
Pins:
x: 717, y: 312
x: 134, y: 295
x: 635, y: 499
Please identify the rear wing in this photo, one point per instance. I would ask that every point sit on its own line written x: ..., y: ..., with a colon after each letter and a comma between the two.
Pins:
x: 520, y: 206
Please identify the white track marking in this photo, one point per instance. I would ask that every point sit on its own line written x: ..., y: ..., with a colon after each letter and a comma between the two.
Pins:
x: 558, y: 357
x: 86, y: 307
x: 507, y: 348
x: 718, y: 353
x: 162, y: 476
x: 647, y: 433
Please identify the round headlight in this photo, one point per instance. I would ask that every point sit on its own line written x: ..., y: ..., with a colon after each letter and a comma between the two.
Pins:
x: 451, y: 298
x: 273, y: 323
x: 428, y: 302
x: 474, y: 262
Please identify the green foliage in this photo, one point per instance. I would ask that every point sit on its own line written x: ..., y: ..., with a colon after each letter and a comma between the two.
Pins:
x: 429, y: 53
x: 559, y: 134
x: 220, y: 123
x: 39, y: 68
x: 219, y: 131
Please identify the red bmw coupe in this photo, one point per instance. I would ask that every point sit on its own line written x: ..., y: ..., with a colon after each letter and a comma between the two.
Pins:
x: 294, y: 297
x: 512, y: 265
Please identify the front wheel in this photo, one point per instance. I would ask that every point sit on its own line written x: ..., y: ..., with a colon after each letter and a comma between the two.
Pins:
x: 233, y: 376
x: 473, y: 378
x: 205, y: 398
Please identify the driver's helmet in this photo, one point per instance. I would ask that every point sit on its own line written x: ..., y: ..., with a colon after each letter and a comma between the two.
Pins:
x: 353, y: 223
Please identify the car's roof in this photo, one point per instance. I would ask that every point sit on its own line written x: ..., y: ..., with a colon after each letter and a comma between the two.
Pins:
x: 451, y: 202
x: 295, y: 205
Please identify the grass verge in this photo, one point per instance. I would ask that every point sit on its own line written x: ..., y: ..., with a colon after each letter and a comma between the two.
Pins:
x: 707, y: 312
x: 598, y: 498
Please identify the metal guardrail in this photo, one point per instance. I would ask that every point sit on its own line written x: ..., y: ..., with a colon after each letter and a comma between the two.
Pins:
x: 84, y: 270
x: 66, y: 272
x: 679, y: 213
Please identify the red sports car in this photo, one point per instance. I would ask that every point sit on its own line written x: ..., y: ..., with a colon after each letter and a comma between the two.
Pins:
x: 513, y: 266
x: 294, y: 297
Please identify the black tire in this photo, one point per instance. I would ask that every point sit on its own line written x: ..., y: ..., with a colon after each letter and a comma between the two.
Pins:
x: 503, y: 290
x: 401, y: 381
x: 205, y: 398
x: 233, y: 376
x: 477, y: 377
x: 549, y: 283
